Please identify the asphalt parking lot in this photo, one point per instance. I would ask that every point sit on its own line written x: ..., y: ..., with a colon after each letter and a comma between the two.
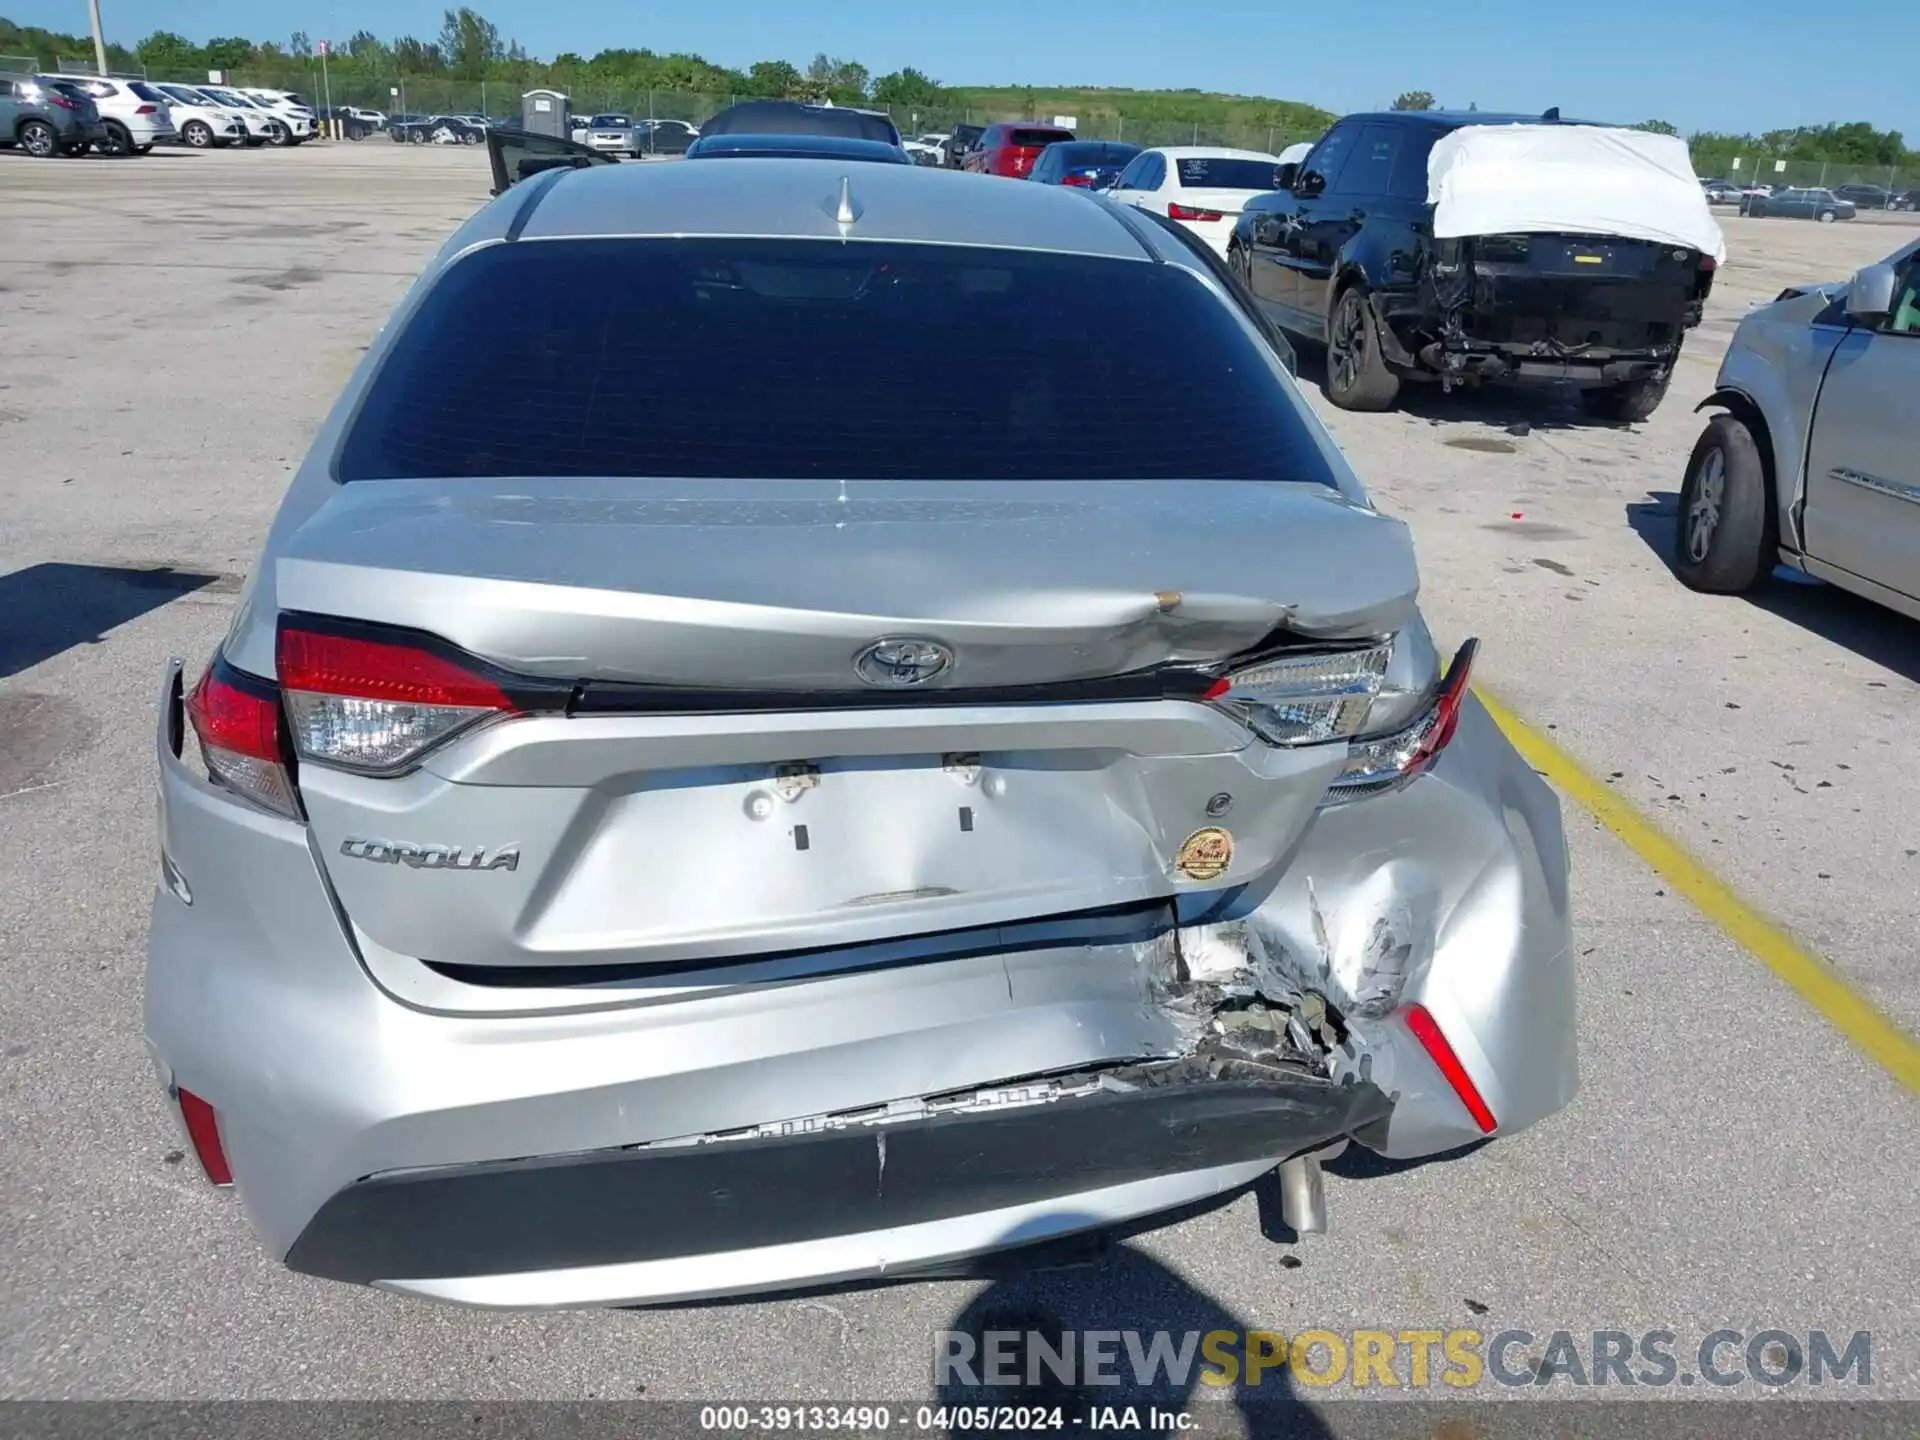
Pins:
x: 176, y: 327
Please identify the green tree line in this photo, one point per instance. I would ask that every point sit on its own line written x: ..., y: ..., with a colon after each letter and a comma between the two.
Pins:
x: 470, y: 47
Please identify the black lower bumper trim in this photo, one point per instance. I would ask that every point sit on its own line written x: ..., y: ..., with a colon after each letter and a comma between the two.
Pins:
x: 609, y: 1207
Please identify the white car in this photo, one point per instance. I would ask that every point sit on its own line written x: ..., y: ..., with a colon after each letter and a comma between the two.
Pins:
x: 137, y: 116
x: 289, y: 105
x: 201, y: 122
x: 923, y: 153
x: 373, y: 119
x: 1204, y: 187
x: 264, y: 127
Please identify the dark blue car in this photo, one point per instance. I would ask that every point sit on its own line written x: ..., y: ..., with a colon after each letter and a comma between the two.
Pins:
x: 1086, y: 164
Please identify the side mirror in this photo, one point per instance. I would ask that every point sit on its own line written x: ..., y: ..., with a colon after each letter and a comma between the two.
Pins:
x: 1870, y: 295
x: 1284, y: 176
x: 1308, y: 183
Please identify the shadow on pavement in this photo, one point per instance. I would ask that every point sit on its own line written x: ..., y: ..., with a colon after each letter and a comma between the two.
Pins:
x: 51, y: 608
x: 1871, y: 631
x: 1038, y: 1328
x: 1516, y: 408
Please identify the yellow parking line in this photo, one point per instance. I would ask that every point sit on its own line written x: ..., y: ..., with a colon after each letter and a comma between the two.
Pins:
x: 1873, y: 1034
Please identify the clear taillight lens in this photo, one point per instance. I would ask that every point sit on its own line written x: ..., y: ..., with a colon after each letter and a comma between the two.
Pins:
x: 236, y: 719
x: 376, y: 706
x: 1307, y: 699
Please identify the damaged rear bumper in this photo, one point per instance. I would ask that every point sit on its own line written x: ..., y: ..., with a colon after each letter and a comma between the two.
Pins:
x: 726, y: 1130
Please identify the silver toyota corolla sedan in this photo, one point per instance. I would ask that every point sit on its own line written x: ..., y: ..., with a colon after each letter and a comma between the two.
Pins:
x: 669, y: 819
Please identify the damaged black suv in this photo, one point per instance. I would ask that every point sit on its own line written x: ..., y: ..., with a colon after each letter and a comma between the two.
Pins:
x: 1350, y: 252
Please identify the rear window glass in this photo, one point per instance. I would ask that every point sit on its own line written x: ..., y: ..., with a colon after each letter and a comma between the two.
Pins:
x: 146, y: 92
x: 1095, y: 152
x: 770, y: 359
x: 1038, y: 137
x: 1212, y: 173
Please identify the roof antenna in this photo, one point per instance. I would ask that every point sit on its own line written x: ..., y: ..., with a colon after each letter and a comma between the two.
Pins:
x: 1552, y: 115
x: 847, y: 212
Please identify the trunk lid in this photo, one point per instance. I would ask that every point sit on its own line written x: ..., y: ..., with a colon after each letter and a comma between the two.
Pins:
x: 646, y: 835
x: 1601, y: 291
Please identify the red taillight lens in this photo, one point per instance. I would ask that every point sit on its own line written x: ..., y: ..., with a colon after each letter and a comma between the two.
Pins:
x: 1188, y: 212
x: 377, y: 705
x: 236, y: 718
x: 1427, y: 1032
x: 1084, y: 182
x: 147, y: 110
x: 54, y: 97
x: 203, y: 1129
x: 1707, y: 262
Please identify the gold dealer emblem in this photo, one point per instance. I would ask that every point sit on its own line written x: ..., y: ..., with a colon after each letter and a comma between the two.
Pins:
x: 1206, y: 854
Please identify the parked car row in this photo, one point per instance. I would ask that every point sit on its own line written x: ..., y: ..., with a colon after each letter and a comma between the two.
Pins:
x: 1809, y: 201
x: 70, y: 114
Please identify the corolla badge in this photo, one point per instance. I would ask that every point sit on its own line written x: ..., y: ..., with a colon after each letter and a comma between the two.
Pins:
x: 901, y: 661
x: 432, y: 857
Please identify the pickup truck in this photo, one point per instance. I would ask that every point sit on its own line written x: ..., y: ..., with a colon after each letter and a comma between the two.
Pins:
x: 1812, y: 459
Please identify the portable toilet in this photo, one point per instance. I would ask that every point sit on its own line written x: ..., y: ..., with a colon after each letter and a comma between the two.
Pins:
x: 547, y: 112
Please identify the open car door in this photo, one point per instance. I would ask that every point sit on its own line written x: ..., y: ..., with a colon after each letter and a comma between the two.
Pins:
x: 518, y: 155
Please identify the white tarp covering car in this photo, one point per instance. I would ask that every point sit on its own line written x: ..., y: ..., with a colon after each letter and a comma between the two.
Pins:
x: 1569, y: 179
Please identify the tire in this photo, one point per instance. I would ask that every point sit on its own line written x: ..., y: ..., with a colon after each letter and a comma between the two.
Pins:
x: 198, y: 134
x: 38, y: 140
x: 278, y: 137
x: 1357, y: 373
x: 1826, y: 217
x: 1724, y: 541
x: 119, y: 141
x: 470, y: 138
x: 1626, y: 404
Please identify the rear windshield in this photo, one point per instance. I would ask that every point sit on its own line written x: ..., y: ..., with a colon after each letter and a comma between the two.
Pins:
x: 1212, y: 173
x: 146, y: 92
x: 771, y: 359
x: 1038, y: 137
x: 1096, y: 152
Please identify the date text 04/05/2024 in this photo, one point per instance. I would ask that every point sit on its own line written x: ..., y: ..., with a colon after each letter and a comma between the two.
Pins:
x: 937, y: 1419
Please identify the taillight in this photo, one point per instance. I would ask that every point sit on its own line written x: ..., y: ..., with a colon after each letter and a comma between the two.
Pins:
x: 1080, y: 181
x: 1389, y: 761
x: 1707, y: 262
x: 54, y: 97
x: 1380, y: 700
x: 147, y: 110
x: 1428, y: 1033
x: 236, y: 717
x: 1188, y: 212
x: 377, y: 705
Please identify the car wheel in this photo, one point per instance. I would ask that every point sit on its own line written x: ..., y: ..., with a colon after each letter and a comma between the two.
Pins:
x: 1627, y: 404
x: 1357, y: 373
x: 470, y: 138
x: 37, y: 139
x: 1722, y: 542
x: 1826, y: 217
x: 119, y: 140
x: 197, y: 133
x: 277, y: 136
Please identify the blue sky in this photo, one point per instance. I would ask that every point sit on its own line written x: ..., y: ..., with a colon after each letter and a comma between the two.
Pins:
x: 1749, y: 65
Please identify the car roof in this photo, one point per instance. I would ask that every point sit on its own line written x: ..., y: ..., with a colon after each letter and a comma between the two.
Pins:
x: 801, y: 198
x: 1212, y: 152
x: 797, y: 147
x: 1455, y: 119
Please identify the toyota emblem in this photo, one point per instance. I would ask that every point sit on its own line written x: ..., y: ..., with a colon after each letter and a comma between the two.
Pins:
x: 896, y: 663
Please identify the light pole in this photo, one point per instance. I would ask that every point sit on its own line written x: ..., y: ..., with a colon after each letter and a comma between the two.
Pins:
x: 99, y: 40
